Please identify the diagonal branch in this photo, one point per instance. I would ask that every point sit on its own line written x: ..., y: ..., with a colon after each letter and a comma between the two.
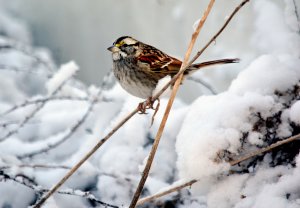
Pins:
x: 167, y: 191
x: 173, y: 188
x: 75, y: 126
x: 169, y: 106
x: 29, y: 183
x: 38, y: 107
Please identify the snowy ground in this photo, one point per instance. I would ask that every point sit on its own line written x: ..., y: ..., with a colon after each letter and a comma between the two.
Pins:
x: 49, y: 120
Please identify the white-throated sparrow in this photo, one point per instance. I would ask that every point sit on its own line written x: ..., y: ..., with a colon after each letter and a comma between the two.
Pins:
x: 138, y: 67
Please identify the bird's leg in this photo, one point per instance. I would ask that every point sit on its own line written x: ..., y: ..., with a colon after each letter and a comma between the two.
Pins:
x: 148, y: 104
x: 155, y: 110
x: 142, y: 108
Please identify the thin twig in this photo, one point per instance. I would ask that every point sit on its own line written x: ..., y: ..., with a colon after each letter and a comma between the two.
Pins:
x: 74, y: 127
x: 168, y: 108
x: 266, y: 149
x: 29, y: 183
x: 32, y: 114
x: 219, y: 32
x: 71, y: 131
x: 167, y: 191
x: 47, y: 99
x: 297, y: 16
x: 202, y: 50
x: 36, y: 166
x: 26, y: 50
x: 87, y: 156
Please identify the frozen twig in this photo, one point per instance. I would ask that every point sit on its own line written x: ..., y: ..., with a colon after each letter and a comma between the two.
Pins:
x: 42, y: 166
x: 47, y: 99
x: 169, y: 106
x: 266, y: 149
x: 71, y: 131
x: 87, y: 156
x: 38, y: 107
x: 29, y: 183
x: 167, y: 191
x: 220, y: 31
x: 297, y: 16
x: 75, y: 126
x: 12, y: 44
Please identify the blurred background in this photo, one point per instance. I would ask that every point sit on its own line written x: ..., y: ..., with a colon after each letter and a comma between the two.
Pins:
x: 82, y: 30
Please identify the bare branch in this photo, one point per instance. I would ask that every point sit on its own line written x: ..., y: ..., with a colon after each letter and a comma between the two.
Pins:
x: 36, y: 166
x: 47, y: 99
x: 167, y: 191
x: 29, y: 183
x: 199, y: 53
x: 71, y: 131
x: 266, y: 149
x: 13, y: 44
x: 87, y: 156
x: 168, y: 108
x: 39, y: 106
x: 74, y: 127
x: 297, y: 16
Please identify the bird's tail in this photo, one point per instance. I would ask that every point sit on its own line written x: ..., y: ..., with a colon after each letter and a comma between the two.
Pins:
x: 195, y: 67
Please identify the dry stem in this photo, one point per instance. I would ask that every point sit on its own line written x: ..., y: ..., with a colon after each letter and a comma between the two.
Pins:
x: 166, y: 192
x: 266, y: 149
x: 235, y: 162
x: 168, y: 108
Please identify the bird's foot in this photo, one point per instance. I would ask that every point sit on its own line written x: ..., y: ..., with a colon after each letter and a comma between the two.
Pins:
x: 149, y: 104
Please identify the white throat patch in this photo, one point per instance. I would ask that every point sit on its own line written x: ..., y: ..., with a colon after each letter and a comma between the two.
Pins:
x: 117, y: 55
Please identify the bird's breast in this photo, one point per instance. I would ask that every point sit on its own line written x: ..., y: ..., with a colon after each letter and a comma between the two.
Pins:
x: 134, y: 80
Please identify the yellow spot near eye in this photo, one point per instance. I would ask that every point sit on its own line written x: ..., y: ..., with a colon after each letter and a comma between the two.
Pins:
x: 120, y: 43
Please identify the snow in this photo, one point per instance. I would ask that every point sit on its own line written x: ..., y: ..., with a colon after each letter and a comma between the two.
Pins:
x: 261, y: 106
x: 65, y: 72
x: 161, y: 83
x: 196, y: 23
x: 295, y: 113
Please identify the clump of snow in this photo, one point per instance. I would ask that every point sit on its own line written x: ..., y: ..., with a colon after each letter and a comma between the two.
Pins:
x: 295, y: 113
x: 65, y: 73
x: 196, y: 23
x: 161, y: 83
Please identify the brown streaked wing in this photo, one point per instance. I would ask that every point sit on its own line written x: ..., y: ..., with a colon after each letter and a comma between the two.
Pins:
x: 161, y: 64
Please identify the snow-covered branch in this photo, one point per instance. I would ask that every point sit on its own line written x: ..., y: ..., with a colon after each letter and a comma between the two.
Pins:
x: 29, y: 183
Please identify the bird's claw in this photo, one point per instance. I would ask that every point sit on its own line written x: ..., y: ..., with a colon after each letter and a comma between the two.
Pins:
x: 148, y: 104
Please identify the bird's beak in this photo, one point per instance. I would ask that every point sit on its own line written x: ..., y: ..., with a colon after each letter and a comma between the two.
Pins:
x: 113, y: 49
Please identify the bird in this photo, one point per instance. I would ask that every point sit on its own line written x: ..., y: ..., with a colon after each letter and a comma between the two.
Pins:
x: 138, y: 67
